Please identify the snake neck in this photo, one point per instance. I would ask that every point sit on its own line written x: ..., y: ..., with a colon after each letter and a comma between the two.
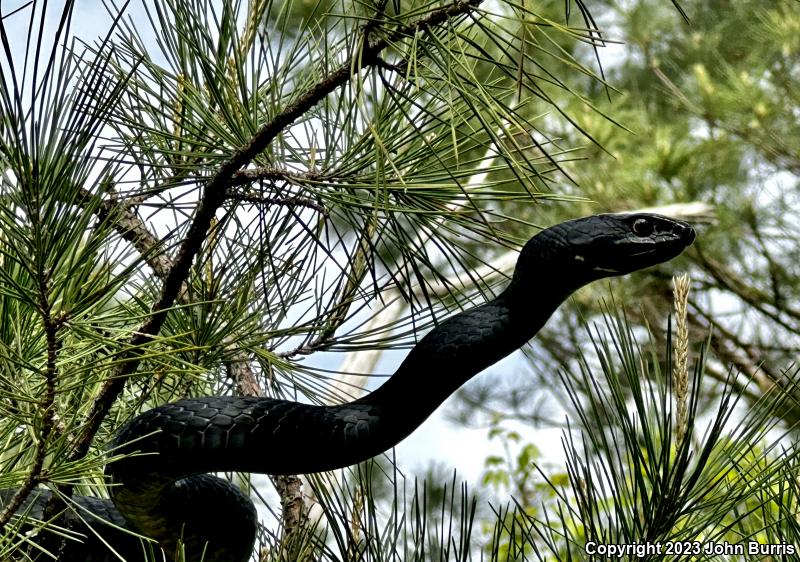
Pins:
x: 221, y: 433
x: 464, y: 345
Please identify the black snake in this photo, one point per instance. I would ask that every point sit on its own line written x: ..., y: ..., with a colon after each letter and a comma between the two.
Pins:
x: 165, y: 493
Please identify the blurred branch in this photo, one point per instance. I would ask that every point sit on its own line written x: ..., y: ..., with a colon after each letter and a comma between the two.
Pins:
x: 730, y: 281
x: 751, y: 364
x: 696, y: 212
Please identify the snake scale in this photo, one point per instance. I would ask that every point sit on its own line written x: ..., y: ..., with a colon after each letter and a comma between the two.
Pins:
x: 166, y: 494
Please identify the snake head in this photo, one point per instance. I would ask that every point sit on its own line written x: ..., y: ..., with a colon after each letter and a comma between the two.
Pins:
x: 599, y: 246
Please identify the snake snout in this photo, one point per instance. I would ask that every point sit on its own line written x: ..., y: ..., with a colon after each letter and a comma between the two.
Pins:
x: 689, y: 235
x: 684, y: 232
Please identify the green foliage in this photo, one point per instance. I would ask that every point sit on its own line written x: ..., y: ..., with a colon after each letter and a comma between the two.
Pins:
x: 512, y: 472
x: 629, y: 481
x: 198, y: 199
x: 362, y: 151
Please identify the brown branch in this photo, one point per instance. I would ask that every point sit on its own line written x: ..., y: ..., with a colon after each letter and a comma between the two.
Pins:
x: 239, y: 371
x: 132, y: 229
x: 293, y: 201
x: 271, y: 173
x: 294, y: 514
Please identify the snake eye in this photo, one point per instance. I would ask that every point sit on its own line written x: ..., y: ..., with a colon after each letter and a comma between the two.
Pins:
x: 642, y: 227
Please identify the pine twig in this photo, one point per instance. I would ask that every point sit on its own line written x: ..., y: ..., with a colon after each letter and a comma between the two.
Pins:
x: 52, y: 324
x: 680, y: 370
x: 293, y: 201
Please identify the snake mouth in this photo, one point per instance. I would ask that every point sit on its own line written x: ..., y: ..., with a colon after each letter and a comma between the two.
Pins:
x: 663, y: 249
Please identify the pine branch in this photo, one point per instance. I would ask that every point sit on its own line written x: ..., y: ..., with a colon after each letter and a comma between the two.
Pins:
x: 52, y: 324
x: 271, y: 173
x: 293, y: 201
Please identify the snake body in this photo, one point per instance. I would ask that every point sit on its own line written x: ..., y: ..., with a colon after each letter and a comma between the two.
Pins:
x: 165, y: 492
